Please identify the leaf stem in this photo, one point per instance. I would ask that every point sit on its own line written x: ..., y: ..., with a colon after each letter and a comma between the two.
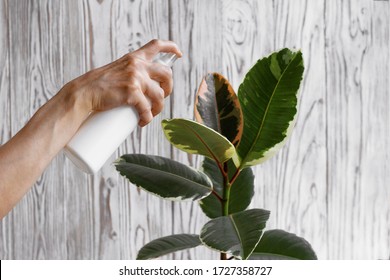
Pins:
x: 235, y: 175
x: 222, y: 169
x: 217, y: 195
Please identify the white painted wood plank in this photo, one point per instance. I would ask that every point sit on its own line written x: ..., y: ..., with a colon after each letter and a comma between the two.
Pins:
x: 357, y: 122
x: 195, y: 26
x: 142, y: 217
x: 292, y: 185
x: 5, y: 106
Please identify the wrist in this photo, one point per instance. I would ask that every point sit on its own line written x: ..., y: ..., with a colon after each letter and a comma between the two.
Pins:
x: 75, y: 99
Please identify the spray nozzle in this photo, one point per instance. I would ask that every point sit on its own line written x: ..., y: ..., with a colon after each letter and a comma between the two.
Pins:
x: 166, y: 59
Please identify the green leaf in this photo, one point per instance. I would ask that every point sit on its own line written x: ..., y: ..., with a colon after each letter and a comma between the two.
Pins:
x: 164, y: 177
x: 168, y: 244
x: 195, y: 138
x: 236, y: 234
x: 268, y: 98
x: 217, y: 106
x: 241, y: 191
x: 281, y: 245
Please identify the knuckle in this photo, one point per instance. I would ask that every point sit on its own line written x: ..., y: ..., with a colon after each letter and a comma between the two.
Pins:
x: 132, y: 84
x: 131, y: 62
x: 155, y: 42
x: 134, y: 76
x: 161, y: 94
x: 166, y: 72
x: 128, y: 57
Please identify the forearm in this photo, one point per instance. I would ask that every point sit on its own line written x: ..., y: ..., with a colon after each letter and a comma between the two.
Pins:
x: 29, y: 152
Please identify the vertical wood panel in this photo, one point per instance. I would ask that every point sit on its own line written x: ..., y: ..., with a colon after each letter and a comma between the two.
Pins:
x: 78, y: 215
x: 292, y: 185
x: 374, y: 86
x: 195, y: 26
x: 300, y: 168
x: 357, y: 121
x: 5, y: 116
x: 104, y: 188
x: 46, y: 192
x: 17, y: 224
x: 143, y: 217
x: 5, y: 123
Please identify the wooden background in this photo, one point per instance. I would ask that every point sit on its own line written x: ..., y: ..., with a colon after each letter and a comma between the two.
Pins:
x: 330, y: 184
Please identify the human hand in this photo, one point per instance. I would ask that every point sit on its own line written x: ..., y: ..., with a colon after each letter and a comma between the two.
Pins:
x: 130, y: 80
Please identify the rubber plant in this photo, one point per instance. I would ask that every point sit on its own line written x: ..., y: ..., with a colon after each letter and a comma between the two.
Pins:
x: 233, y: 133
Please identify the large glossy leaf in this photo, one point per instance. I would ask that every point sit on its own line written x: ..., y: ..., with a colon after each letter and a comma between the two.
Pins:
x: 241, y: 192
x: 164, y: 177
x: 281, y: 245
x: 195, y: 138
x: 268, y: 98
x: 217, y: 106
x: 236, y: 234
x: 168, y: 244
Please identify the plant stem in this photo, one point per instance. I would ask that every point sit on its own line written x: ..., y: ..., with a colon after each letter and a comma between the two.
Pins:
x: 226, y: 190
x: 225, y: 198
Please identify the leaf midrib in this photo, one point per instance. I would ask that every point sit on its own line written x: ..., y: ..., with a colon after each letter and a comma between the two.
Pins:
x: 238, y: 234
x: 216, y: 108
x: 163, y: 171
x: 203, y: 142
x: 266, y: 111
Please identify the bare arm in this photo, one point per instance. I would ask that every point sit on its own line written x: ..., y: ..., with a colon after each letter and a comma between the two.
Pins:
x: 127, y: 80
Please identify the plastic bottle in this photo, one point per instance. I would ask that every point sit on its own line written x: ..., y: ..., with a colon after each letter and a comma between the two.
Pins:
x: 103, y: 132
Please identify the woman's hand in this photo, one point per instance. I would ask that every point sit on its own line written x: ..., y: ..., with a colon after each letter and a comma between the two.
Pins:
x: 131, y: 80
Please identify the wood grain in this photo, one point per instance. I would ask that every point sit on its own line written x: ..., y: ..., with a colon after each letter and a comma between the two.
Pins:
x: 293, y: 184
x: 5, y: 118
x: 357, y: 64
x: 143, y: 217
x: 329, y: 184
x: 195, y: 27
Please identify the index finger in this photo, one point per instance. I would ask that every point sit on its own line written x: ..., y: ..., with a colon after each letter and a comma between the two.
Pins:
x: 151, y: 49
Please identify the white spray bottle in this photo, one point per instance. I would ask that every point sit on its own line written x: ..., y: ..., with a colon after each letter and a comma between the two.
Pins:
x: 103, y: 132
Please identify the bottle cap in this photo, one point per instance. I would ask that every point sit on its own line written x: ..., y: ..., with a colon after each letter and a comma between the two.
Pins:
x: 166, y: 59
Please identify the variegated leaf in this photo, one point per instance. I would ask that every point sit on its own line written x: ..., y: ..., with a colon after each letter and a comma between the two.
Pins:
x: 164, y: 177
x: 217, y: 106
x: 195, y: 138
x: 268, y: 98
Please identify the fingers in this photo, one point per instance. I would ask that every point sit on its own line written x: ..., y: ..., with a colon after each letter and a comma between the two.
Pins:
x: 156, y: 96
x: 142, y: 105
x: 151, y: 49
x: 163, y: 75
x: 147, y: 98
